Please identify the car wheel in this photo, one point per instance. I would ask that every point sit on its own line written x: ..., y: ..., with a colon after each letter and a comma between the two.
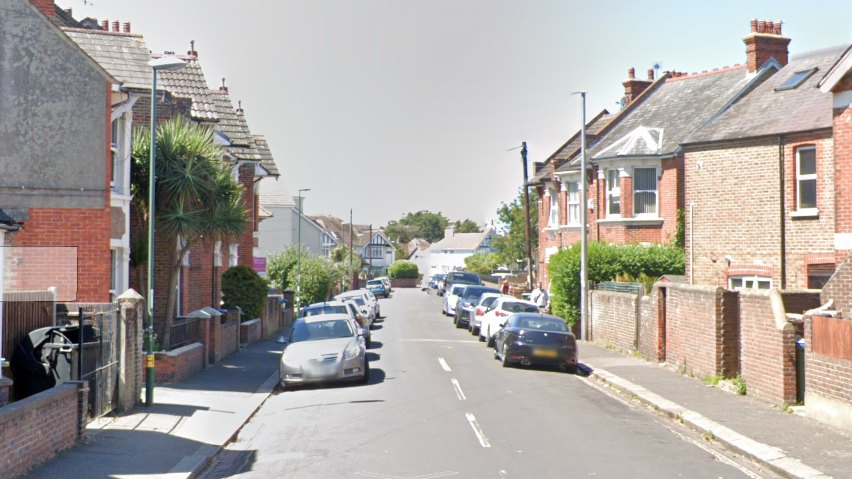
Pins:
x: 490, y: 342
x: 474, y: 331
x: 369, y: 341
x: 459, y: 324
x: 505, y: 357
x: 366, y: 378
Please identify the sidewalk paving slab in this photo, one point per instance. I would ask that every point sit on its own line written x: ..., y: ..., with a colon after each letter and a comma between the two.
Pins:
x: 789, y: 444
x: 187, y: 425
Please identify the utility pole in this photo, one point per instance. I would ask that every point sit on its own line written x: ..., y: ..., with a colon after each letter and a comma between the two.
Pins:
x: 527, y: 215
x: 370, y: 245
x: 584, y: 240
x: 351, y: 285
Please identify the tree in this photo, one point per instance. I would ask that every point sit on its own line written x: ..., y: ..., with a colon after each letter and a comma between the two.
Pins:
x: 512, y: 245
x: 196, y: 196
x: 425, y: 224
x: 482, y: 263
x: 319, y: 274
x: 403, y: 269
x: 242, y: 288
x: 402, y: 233
x: 466, y: 226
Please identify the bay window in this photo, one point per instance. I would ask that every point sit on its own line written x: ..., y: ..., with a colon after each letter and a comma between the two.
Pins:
x: 573, y: 203
x: 613, y: 193
x: 645, y: 191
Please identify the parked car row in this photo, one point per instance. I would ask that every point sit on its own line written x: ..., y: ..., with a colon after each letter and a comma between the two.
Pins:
x: 329, y: 341
x: 516, y: 329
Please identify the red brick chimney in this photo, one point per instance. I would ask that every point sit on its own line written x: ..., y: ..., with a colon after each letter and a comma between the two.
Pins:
x: 47, y: 7
x: 105, y: 25
x: 126, y: 27
x: 634, y: 87
x: 115, y: 27
x: 764, y: 42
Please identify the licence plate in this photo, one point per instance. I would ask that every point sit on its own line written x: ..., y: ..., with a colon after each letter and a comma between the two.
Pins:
x: 320, y: 373
x: 544, y: 353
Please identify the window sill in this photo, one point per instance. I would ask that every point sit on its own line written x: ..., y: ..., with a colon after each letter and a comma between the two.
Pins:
x: 573, y: 226
x: 551, y: 228
x: 812, y: 213
x: 631, y: 221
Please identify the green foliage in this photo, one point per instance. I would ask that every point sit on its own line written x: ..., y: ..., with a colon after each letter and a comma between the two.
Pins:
x: 423, y: 224
x: 739, y: 385
x: 606, y: 262
x: 711, y: 380
x: 512, y: 245
x: 400, y: 252
x: 466, y: 226
x: 319, y: 274
x: 399, y: 232
x: 243, y: 288
x: 644, y: 279
x: 403, y: 270
x: 679, y: 240
x: 342, y: 254
x: 146, y: 337
x: 482, y: 263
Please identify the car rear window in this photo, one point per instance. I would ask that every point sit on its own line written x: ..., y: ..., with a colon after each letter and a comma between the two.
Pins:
x: 475, y: 293
x: 513, y: 307
x: 488, y: 301
x: 456, y: 290
x: 543, y: 324
x: 375, y: 283
x: 465, y: 278
x: 318, y: 310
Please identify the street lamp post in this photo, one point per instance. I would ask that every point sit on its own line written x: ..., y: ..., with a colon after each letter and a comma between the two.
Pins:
x: 584, y: 239
x: 299, y: 257
x: 164, y: 63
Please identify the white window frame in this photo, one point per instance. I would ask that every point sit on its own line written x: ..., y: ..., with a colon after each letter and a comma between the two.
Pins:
x: 749, y: 282
x: 377, y: 247
x: 553, y: 220
x: 573, y: 203
x: 114, y: 268
x: 656, y: 192
x: 233, y: 254
x: 217, y: 254
x: 613, y: 192
x: 181, y: 244
x: 115, y: 142
x: 810, y: 177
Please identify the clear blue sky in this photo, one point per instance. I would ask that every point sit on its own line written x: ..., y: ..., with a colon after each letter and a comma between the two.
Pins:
x: 394, y: 106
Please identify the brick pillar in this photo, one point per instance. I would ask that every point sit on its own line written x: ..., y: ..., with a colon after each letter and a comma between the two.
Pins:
x: 204, y: 326
x: 82, y: 407
x: 626, y: 185
x: 5, y: 387
x: 213, y: 331
x: 131, y: 355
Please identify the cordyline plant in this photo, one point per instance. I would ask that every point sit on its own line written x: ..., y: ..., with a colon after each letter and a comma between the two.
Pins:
x: 196, y: 197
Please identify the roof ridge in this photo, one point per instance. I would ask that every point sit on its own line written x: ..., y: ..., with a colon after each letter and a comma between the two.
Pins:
x: 101, y: 32
x: 706, y: 73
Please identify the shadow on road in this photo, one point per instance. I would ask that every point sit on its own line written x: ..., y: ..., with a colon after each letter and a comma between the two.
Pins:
x: 377, y: 327
x: 375, y: 345
x: 372, y: 357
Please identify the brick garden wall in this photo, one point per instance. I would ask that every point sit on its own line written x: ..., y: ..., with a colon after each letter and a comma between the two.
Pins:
x: 25, y: 441
x: 767, y: 347
x: 251, y: 331
x: 614, y: 318
x: 839, y: 288
x: 179, y: 364
x: 227, y: 339
x: 651, y: 324
x: 272, y: 316
x: 828, y: 370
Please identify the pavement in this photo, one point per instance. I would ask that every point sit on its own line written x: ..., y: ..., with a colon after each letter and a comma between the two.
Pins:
x: 186, y: 427
x: 784, y: 441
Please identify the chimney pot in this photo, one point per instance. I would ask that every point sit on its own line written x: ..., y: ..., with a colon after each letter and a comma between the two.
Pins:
x: 68, y: 12
x: 753, y: 24
x: 651, y: 74
x: 126, y: 27
x: 105, y: 25
x: 770, y: 25
x: 760, y: 48
x: 192, y: 51
x: 223, y: 87
x: 115, y: 26
x: 778, y: 28
x: 763, y: 26
x: 631, y: 73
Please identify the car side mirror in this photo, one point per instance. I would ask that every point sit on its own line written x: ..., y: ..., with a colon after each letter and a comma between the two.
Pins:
x: 281, y: 340
x: 363, y: 332
x: 502, y: 325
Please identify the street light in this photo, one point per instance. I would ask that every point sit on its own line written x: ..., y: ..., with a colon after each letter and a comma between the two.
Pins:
x: 163, y: 63
x: 299, y: 256
x: 584, y: 239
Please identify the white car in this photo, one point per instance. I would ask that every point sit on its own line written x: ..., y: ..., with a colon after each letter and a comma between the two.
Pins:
x: 451, y: 299
x: 370, y: 300
x: 497, y: 314
x: 387, y: 282
x: 475, y: 320
x: 373, y: 299
x: 363, y: 302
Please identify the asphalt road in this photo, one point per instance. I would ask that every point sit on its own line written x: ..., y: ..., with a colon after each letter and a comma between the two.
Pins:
x: 439, y: 405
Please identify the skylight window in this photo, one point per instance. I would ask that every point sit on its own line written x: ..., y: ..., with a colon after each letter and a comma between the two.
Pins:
x: 797, y: 79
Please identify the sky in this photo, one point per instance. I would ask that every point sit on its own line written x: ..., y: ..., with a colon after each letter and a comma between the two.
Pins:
x: 394, y: 106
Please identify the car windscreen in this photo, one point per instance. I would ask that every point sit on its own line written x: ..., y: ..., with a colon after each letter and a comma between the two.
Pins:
x: 358, y: 300
x: 466, y: 278
x: 476, y: 293
x: 318, y: 310
x: 375, y: 283
x: 317, y: 330
x: 543, y: 324
x: 456, y: 290
x: 514, y: 307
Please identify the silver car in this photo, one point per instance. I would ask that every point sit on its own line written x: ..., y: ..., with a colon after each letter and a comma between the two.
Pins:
x: 323, y: 348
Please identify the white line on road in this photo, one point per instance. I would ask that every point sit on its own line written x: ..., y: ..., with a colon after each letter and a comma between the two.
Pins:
x: 458, y: 389
x: 472, y: 341
x: 444, y: 364
x: 477, y: 430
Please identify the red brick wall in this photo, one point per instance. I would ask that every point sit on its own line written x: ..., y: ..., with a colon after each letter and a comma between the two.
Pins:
x: 227, y: 339
x: 180, y: 364
x: 246, y: 240
x: 34, y: 429
x: 825, y: 375
x: 797, y: 302
x: 614, y: 317
x: 839, y: 288
x: 767, y: 347
x: 251, y: 331
x: 652, y: 325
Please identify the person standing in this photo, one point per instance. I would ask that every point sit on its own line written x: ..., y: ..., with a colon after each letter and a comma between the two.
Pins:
x: 504, y: 288
x: 540, y: 297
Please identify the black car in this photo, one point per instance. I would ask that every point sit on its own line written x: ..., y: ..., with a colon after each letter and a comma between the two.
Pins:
x: 467, y: 303
x: 536, y: 339
x: 457, y: 277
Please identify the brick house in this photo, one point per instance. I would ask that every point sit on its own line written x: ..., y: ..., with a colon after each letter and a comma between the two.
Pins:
x: 55, y: 157
x: 780, y: 222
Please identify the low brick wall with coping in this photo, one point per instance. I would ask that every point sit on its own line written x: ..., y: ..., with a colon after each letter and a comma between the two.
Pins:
x: 34, y: 429
x: 179, y: 364
x: 405, y: 283
x: 613, y: 318
x: 251, y: 331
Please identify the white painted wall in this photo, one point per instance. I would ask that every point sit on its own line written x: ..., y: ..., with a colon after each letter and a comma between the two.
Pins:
x: 276, y: 233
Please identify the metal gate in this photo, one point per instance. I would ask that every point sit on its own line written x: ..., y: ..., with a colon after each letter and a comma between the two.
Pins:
x: 98, y: 353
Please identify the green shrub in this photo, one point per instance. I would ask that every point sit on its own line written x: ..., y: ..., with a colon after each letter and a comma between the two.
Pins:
x: 403, y: 270
x: 606, y: 262
x: 482, y: 263
x: 319, y: 274
x: 243, y: 288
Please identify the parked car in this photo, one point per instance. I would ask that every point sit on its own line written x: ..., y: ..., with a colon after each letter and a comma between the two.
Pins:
x: 442, y: 284
x: 501, y: 275
x: 467, y: 303
x: 476, y: 314
x: 378, y: 287
x: 369, y: 300
x: 374, y: 300
x: 458, y: 277
x: 363, y: 303
x: 435, y: 280
x: 323, y: 348
x: 387, y: 282
x: 448, y: 305
x: 536, y: 339
x: 497, y: 314
x: 340, y: 307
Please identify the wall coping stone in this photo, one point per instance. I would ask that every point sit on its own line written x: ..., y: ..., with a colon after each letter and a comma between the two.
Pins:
x: 696, y: 288
x: 32, y: 401
x: 180, y: 350
x: 779, y: 312
x: 249, y: 323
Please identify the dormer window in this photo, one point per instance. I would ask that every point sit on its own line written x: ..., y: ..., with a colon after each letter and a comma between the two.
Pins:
x: 797, y: 79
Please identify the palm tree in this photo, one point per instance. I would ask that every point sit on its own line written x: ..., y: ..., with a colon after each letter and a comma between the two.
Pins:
x: 196, y: 196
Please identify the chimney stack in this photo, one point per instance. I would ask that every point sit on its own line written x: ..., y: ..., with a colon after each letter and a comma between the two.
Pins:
x: 115, y: 27
x: 633, y: 87
x: 764, y: 42
x: 240, y: 108
x: 223, y: 87
x: 47, y: 7
x: 192, y: 51
x: 105, y: 25
x: 126, y: 27
x: 651, y: 74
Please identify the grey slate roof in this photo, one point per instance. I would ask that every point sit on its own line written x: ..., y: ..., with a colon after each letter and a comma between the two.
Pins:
x: 234, y: 126
x: 572, y: 147
x: 123, y: 55
x: 189, y: 82
x: 274, y: 193
x: 671, y: 113
x: 765, y: 111
x: 461, y: 241
x: 266, y: 159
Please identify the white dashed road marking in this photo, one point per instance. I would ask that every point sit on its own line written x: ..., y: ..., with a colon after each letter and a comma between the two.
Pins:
x: 458, y: 389
x: 444, y: 364
x: 477, y: 430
